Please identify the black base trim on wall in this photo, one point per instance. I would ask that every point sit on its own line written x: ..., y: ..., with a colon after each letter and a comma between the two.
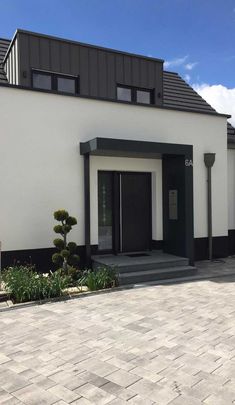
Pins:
x: 220, y: 247
x: 223, y: 246
x: 41, y: 258
x: 231, y: 241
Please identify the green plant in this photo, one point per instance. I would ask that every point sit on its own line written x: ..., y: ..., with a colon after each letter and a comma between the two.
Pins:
x: 67, y: 250
x: 23, y: 283
x: 98, y: 279
x: 73, y: 273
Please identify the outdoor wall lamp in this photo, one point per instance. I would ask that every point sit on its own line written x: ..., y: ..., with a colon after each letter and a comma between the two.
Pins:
x: 209, y: 160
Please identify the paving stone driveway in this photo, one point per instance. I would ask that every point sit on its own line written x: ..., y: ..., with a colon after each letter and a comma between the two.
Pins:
x: 168, y: 344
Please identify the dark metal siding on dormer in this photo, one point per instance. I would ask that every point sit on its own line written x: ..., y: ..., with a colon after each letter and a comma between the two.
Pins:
x: 99, y: 69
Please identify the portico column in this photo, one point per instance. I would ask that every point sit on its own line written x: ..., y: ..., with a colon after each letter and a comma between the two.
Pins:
x: 87, y: 230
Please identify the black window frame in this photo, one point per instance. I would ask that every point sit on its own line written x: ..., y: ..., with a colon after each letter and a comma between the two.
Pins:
x: 43, y: 73
x: 54, y: 81
x: 134, y: 90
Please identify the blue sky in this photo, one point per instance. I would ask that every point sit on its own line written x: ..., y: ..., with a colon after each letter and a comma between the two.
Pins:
x: 196, y: 37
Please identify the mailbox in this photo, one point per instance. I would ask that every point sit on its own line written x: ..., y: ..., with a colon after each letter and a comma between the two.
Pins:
x: 173, y: 204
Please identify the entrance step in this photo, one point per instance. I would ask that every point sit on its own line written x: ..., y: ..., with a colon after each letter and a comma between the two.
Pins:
x: 156, y: 274
x: 149, y: 266
x: 161, y: 264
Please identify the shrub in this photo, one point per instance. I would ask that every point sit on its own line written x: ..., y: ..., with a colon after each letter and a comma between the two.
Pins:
x: 73, y: 273
x: 67, y: 251
x: 25, y: 284
x: 98, y: 279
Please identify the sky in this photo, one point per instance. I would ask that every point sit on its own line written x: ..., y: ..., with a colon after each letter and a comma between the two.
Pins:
x: 196, y: 38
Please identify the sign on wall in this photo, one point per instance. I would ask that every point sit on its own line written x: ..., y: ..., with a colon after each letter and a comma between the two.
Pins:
x: 173, y: 204
x: 188, y: 162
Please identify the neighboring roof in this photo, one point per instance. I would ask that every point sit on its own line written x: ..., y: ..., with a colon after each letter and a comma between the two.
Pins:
x: 177, y: 93
x: 231, y: 135
x: 4, y: 45
x: 230, y: 130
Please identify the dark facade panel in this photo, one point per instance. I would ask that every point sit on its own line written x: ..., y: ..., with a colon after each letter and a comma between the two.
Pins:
x: 102, y: 74
x: 144, y: 73
x: 45, y: 60
x: 65, y: 53
x: 136, y: 78
x: 84, y: 71
x: 127, y: 67
x: 74, y: 59
x: 34, y: 45
x: 24, y: 59
x: 93, y: 73
x: 111, y: 76
x: 99, y: 69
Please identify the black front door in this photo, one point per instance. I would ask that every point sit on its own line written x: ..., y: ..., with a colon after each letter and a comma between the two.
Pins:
x: 125, y: 211
x: 135, y: 212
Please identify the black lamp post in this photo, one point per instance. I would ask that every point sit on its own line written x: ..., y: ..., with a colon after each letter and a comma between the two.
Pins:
x: 209, y: 160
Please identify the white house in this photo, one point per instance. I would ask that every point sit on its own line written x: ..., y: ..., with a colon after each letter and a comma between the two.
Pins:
x: 118, y: 142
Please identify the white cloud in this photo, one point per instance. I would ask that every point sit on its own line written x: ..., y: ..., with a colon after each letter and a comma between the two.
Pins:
x: 219, y: 97
x: 175, y: 62
x: 190, y: 66
x: 187, y: 77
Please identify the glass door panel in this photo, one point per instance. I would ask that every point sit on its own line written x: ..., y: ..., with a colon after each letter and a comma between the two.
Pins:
x: 105, y: 210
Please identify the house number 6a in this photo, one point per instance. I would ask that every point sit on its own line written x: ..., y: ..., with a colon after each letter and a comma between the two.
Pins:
x: 188, y: 162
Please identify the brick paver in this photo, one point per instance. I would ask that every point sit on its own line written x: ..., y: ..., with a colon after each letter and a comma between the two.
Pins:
x: 165, y: 344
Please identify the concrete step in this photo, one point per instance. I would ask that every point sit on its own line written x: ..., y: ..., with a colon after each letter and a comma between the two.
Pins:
x: 143, y: 276
x: 124, y: 264
x: 152, y: 266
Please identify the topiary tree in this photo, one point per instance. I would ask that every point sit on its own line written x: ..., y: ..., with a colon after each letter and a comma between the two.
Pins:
x: 67, y: 250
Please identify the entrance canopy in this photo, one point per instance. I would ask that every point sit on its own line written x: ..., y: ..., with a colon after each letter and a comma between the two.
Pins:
x: 129, y: 148
x: 177, y: 180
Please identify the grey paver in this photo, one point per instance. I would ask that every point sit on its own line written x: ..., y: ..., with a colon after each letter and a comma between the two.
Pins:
x: 122, y: 378
x: 94, y: 394
x: 11, y: 381
x: 64, y: 393
x: 165, y: 344
x: 137, y: 400
x: 33, y: 395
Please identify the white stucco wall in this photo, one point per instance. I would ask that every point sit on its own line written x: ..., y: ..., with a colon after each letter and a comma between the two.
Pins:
x: 42, y: 170
x: 231, y: 188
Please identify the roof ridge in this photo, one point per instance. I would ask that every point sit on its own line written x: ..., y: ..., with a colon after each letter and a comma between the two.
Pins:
x: 170, y: 72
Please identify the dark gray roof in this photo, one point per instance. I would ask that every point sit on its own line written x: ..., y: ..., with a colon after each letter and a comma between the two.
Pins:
x: 178, y: 94
x: 230, y: 130
x: 4, y: 45
x: 231, y: 133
